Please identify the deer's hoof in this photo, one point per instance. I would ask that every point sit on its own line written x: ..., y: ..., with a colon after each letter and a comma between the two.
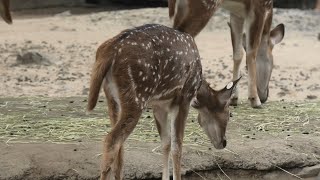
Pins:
x: 255, y: 103
x: 234, y: 102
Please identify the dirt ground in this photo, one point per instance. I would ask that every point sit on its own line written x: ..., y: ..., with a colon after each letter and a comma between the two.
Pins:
x: 66, y: 43
x: 54, y: 138
x: 81, y: 161
x: 69, y: 43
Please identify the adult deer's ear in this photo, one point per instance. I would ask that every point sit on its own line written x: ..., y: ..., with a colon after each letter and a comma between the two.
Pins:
x: 195, y: 103
x: 224, y: 95
x: 277, y: 34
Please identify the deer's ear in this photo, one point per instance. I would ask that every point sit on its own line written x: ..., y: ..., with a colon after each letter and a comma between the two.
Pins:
x: 195, y: 103
x: 277, y: 34
x: 224, y: 95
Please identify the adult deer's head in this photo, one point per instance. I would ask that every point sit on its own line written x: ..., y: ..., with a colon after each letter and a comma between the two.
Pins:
x: 265, y: 59
x: 213, y: 108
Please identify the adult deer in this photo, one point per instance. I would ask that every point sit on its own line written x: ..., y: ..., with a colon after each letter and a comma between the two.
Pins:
x: 4, y: 11
x: 251, y: 17
x: 155, y: 66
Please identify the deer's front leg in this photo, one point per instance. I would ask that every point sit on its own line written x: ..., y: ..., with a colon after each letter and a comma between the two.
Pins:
x: 253, y: 39
x: 236, y: 28
x: 163, y: 126
x: 114, y: 113
x: 178, y: 116
x: 252, y: 79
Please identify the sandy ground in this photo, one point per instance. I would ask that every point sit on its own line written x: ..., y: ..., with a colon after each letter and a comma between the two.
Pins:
x: 69, y: 43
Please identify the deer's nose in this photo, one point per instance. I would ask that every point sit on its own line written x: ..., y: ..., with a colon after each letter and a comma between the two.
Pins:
x: 224, y: 143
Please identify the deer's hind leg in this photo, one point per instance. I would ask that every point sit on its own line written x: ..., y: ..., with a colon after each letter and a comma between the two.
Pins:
x: 163, y: 126
x: 114, y: 113
x: 124, y: 117
x: 178, y: 116
x: 236, y: 28
x: 113, y: 142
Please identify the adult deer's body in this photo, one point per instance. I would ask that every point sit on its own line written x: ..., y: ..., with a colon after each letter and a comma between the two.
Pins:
x: 251, y: 17
x: 4, y: 11
x: 157, y: 66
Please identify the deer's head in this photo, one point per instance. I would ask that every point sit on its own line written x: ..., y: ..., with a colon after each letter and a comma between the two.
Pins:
x: 213, y: 108
x: 265, y: 60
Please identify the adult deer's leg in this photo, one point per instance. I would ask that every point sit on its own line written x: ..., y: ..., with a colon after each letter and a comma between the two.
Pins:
x: 163, y: 126
x: 129, y: 116
x: 253, y: 38
x: 236, y: 28
x: 4, y: 11
x: 178, y: 115
x: 114, y: 112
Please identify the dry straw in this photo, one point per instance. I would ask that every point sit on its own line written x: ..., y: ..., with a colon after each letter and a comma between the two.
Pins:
x: 65, y: 120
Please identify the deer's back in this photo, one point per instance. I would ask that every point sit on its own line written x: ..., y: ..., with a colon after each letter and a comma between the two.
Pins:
x: 157, y: 61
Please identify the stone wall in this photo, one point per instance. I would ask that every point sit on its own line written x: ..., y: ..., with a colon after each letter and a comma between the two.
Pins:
x: 300, y: 4
x: 30, y: 4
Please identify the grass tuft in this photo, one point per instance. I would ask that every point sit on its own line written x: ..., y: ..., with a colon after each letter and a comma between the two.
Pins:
x: 63, y: 120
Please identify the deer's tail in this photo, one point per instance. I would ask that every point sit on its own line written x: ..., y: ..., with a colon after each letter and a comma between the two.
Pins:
x: 100, y: 68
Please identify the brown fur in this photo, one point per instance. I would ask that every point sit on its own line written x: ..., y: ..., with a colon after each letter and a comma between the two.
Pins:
x: 171, y: 5
x: 102, y: 65
x: 4, y: 11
